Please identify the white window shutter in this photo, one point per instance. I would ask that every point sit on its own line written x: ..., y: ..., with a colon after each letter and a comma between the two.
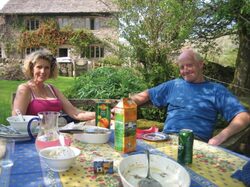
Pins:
x: 87, y: 23
x: 97, y: 23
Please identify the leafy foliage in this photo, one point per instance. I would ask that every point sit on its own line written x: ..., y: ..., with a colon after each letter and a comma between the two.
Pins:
x: 81, y: 40
x: 111, y: 60
x: 107, y: 83
x: 154, y: 31
x: 113, y: 83
x: 222, y: 18
x: 50, y: 36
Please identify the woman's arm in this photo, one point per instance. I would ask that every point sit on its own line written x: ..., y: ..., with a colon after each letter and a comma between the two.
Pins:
x: 72, y: 111
x: 22, y: 99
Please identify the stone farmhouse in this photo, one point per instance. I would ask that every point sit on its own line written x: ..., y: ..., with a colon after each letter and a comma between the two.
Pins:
x: 21, y: 18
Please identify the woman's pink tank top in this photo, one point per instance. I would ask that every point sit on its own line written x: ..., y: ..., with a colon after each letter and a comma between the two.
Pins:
x: 40, y: 105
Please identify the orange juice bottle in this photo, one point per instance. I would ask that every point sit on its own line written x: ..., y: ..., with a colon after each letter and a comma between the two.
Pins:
x: 103, y: 112
x: 125, y: 125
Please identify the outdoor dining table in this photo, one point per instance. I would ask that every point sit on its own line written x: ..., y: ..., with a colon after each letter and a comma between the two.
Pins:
x: 212, y: 165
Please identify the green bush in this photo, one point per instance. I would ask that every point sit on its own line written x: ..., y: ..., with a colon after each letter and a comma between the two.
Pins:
x: 154, y: 114
x: 112, y: 83
x: 111, y: 61
x: 107, y: 83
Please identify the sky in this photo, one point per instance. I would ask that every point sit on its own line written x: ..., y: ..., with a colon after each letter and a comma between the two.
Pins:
x: 2, y: 3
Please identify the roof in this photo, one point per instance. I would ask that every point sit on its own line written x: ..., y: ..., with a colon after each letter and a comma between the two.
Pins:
x: 57, y: 6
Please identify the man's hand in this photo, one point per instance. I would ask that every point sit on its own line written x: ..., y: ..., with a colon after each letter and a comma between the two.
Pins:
x: 216, y: 140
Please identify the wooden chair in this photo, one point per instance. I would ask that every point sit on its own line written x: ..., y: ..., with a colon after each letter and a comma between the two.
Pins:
x: 239, y: 142
x: 91, y: 102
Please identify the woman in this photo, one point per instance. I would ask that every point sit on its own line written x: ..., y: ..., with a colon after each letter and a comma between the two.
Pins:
x: 36, y: 96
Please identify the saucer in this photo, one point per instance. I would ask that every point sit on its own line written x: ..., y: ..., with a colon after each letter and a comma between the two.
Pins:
x: 155, y: 136
x: 9, y: 132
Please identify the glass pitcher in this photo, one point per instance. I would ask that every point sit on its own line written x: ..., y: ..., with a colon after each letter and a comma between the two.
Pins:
x: 48, y: 134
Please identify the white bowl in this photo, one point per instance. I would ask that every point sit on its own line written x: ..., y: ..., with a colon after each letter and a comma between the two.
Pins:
x: 91, y: 135
x: 59, y: 162
x: 21, y: 126
x: 166, y: 171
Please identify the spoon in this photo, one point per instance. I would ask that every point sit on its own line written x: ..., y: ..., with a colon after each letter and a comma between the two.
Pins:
x: 20, y: 116
x: 149, y: 181
x: 66, y: 150
x: 62, y: 140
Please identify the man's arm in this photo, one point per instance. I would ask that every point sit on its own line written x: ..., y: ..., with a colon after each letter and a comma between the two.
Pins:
x: 239, y: 122
x: 141, y: 98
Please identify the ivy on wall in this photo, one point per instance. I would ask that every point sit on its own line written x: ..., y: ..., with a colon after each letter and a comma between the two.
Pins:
x: 50, y: 36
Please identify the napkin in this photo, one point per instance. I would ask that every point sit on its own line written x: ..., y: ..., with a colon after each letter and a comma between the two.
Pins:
x: 2, y: 148
x: 140, y: 132
x: 2, y: 151
x: 73, y: 125
x: 244, y: 174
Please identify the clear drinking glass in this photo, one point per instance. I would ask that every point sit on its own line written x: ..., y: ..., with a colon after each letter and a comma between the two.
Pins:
x: 7, y: 147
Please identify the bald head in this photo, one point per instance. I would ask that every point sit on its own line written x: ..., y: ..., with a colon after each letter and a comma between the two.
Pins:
x: 191, y: 66
x: 189, y: 55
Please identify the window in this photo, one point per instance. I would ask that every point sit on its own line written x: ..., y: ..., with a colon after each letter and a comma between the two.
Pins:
x: 64, y: 21
x: 63, y: 52
x: 92, y: 23
x: 96, y: 52
x: 30, y: 50
x: 32, y: 24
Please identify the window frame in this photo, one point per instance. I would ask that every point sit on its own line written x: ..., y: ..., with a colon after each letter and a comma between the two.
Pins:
x: 96, y: 51
x: 32, y: 24
x: 31, y: 50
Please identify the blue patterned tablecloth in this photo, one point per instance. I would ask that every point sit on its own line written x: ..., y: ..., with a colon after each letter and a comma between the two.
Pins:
x: 29, y: 171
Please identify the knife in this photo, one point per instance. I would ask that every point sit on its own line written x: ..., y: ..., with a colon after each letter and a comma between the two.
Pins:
x: 71, y: 131
x: 77, y: 131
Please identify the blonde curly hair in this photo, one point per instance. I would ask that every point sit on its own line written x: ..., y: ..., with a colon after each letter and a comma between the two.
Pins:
x: 32, y: 58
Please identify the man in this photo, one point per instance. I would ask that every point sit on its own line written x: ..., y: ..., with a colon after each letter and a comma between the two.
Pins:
x: 194, y: 103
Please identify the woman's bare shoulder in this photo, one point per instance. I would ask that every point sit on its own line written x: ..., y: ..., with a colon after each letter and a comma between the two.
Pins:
x: 55, y: 89
x: 23, y: 88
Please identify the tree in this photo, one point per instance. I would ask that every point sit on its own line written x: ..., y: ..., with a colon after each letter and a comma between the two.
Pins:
x: 156, y: 30
x: 227, y: 17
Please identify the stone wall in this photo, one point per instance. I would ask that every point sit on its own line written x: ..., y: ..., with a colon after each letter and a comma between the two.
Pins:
x: 66, y: 69
x: 82, y: 65
x: 219, y: 72
x: 11, y: 69
x: 75, y: 68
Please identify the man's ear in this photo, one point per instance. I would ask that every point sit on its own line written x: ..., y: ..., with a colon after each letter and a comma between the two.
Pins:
x: 201, y: 64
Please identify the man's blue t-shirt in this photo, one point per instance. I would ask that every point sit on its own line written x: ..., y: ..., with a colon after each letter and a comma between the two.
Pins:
x: 194, y: 105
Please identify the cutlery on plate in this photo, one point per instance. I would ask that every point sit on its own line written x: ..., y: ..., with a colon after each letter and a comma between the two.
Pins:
x: 19, y: 114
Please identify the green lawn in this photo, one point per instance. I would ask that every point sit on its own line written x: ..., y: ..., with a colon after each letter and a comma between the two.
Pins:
x: 8, y: 87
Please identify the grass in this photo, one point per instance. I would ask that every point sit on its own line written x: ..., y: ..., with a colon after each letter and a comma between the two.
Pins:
x: 8, y: 87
